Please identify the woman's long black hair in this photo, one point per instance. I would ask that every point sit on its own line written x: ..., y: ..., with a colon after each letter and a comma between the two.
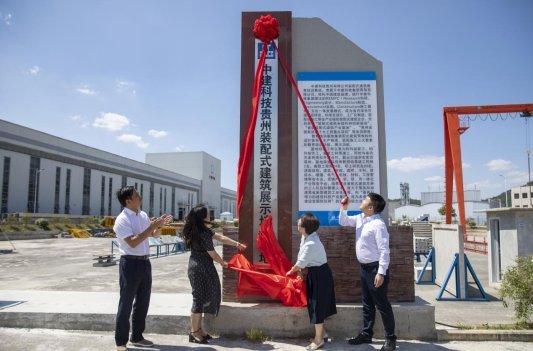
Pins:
x: 194, y: 224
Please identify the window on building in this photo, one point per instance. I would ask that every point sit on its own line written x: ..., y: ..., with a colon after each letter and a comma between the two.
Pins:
x: 67, y: 192
x: 33, y: 184
x: 56, y: 192
x: 124, y: 181
x: 142, y: 188
x: 110, y: 197
x: 86, y: 201
x: 102, y: 197
x: 524, y: 205
x: 5, y: 184
x: 516, y: 196
x: 524, y: 195
x: 160, y: 201
x: 151, y: 210
x: 173, y: 205
x: 136, y: 185
x: 165, y: 202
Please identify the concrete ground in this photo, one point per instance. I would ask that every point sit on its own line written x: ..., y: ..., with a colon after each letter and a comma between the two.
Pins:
x: 38, y: 269
x: 66, y: 265
x: 61, y: 340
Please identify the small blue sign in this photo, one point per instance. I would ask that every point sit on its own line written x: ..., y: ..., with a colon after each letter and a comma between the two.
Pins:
x: 328, y: 218
x: 271, y: 52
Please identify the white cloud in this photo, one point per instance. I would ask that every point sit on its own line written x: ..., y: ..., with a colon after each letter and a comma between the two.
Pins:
x: 85, y: 124
x: 85, y: 90
x: 124, y: 86
x: 75, y: 118
x: 134, y: 139
x: 34, y: 70
x: 111, y: 121
x: 6, y: 18
x: 516, y: 178
x: 499, y: 165
x: 482, y: 184
x: 434, y: 179
x: 413, y: 164
x: 157, y: 133
x: 179, y: 148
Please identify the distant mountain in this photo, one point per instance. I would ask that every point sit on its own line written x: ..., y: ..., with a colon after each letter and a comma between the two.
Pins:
x: 501, y: 197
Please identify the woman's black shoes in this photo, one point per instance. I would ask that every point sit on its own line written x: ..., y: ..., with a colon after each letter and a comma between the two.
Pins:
x: 195, y: 340
x: 206, y: 336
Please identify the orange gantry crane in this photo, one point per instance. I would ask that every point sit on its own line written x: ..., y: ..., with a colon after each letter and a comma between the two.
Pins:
x: 453, y: 128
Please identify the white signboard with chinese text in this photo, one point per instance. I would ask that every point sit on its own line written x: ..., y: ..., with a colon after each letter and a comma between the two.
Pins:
x: 344, y: 108
x: 266, y: 143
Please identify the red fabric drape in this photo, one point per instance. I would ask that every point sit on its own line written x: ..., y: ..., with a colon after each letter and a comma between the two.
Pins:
x: 289, y: 290
x: 270, y: 248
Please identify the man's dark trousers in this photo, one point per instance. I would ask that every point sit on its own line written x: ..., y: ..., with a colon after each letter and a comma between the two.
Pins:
x: 375, y: 297
x: 135, y: 285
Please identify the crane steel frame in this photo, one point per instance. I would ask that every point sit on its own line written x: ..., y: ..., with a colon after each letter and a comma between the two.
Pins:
x: 453, y: 164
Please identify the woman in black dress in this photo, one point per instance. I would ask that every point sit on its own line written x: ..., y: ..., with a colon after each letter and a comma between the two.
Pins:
x: 202, y: 272
x: 319, y: 280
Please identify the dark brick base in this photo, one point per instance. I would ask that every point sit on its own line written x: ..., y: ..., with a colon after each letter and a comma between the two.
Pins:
x: 340, y: 248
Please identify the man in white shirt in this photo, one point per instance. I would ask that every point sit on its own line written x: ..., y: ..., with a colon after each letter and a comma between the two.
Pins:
x: 133, y: 228
x: 373, y: 254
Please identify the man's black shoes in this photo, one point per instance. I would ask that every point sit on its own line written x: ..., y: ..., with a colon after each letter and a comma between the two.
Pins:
x: 362, y: 338
x: 390, y: 344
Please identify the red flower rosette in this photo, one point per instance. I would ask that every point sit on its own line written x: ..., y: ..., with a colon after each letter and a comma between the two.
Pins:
x: 266, y: 28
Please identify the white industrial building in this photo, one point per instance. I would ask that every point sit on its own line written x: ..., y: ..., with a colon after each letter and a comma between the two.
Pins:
x: 42, y: 173
x: 522, y: 197
x: 431, y: 202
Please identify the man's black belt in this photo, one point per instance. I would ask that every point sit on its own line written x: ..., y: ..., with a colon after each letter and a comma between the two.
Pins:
x: 370, y: 265
x: 133, y: 257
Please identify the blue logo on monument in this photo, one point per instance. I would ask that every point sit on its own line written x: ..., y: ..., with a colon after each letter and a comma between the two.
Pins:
x: 271, y: 52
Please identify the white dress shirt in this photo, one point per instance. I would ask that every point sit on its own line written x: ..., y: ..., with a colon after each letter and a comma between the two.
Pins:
x: 129, y: 223
x: 371, y: 238
x: 312, y: 252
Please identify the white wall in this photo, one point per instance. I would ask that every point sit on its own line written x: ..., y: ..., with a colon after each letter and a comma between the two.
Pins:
x: 18, y: 180
x: 447, y: 241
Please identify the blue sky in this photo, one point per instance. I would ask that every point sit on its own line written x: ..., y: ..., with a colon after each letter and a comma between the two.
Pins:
x: 131, y: 77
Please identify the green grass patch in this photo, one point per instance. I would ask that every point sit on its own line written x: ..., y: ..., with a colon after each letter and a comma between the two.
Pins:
x: 256, y: 335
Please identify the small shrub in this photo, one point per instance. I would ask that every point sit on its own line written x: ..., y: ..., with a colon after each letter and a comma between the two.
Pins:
x: 14, y: 228
x: 42, y: 223
x: 66, y: 220
x: 517, y: 286
x: 223, y: 222
x: 26, y: 219
x: 236, y: 222
x: 11, y: 219
x: 256, y: 335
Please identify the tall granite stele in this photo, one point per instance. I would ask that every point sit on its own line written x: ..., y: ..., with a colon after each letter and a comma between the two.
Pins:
x: 289, y: 174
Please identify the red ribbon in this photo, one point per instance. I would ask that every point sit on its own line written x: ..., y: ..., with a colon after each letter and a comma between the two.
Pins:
x: 248, y: 146
x: 308, y: 114
x: 266, y: 29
